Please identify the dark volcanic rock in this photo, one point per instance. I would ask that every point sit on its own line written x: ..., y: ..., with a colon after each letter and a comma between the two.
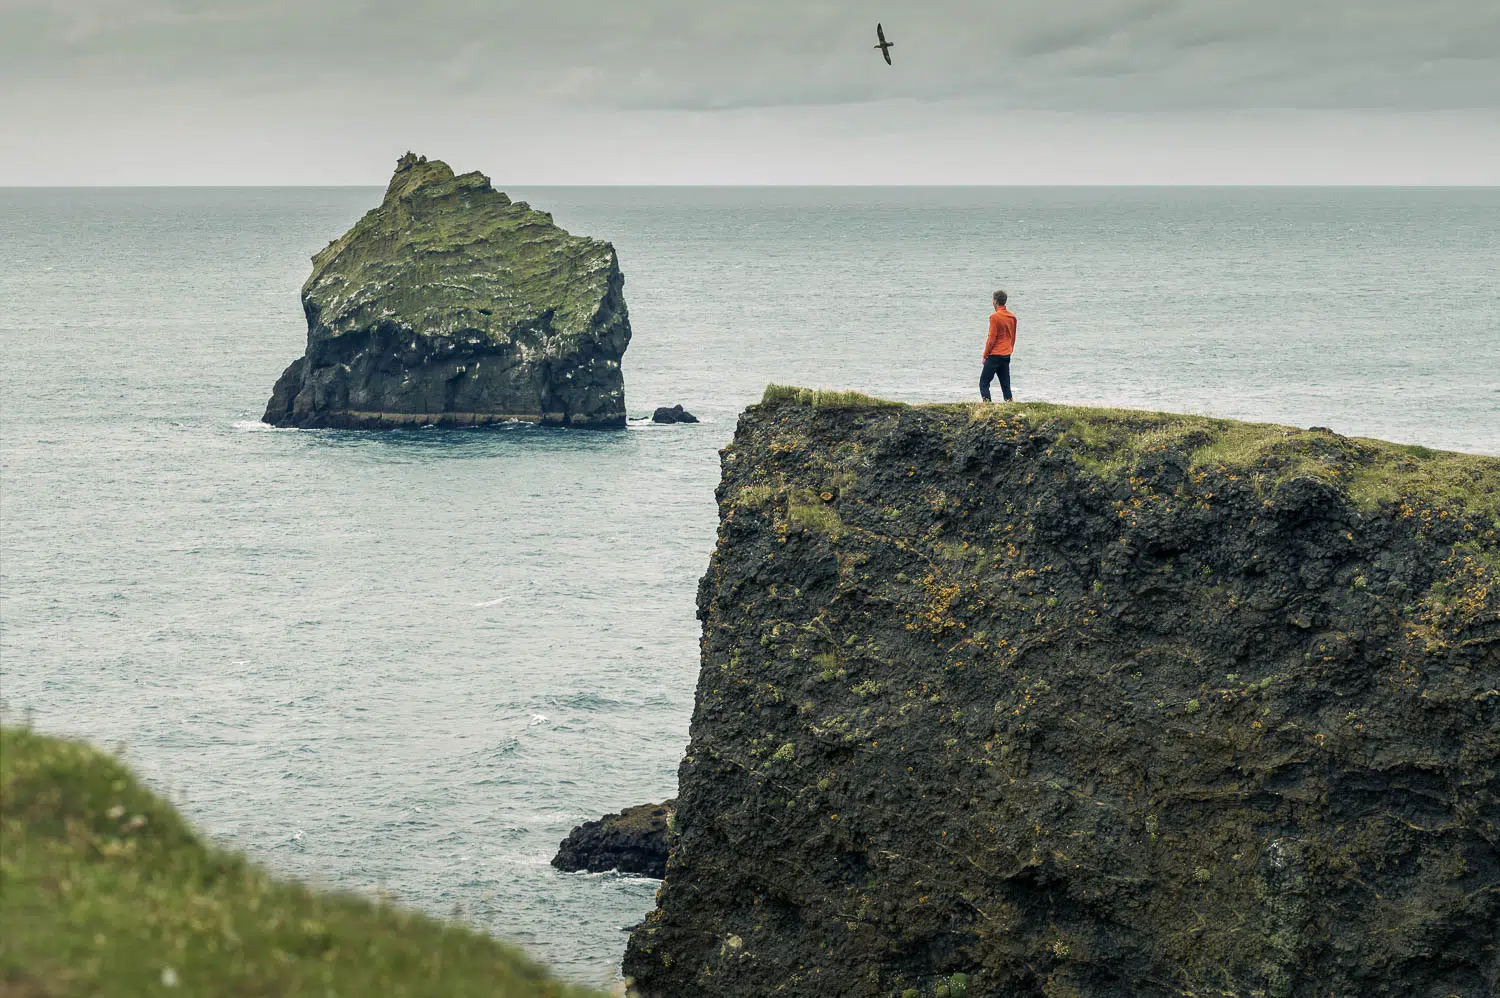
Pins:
x: 451, y: 305
x: 672, y: 414
x: 633, y: 841
x: 1086, y: 703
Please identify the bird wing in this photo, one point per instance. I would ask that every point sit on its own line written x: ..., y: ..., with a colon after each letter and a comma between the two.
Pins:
x: 879, y: 30
x: 887, y: 53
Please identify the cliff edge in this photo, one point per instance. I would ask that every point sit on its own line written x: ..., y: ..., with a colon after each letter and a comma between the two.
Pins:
x: 451, y: 305
x: 1035, y: 700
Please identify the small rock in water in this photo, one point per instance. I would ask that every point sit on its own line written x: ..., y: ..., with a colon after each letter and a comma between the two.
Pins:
x: 673, y: 414
x: 632, y: 841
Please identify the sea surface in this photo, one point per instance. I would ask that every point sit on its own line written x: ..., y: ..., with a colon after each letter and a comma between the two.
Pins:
x: 410, y: 662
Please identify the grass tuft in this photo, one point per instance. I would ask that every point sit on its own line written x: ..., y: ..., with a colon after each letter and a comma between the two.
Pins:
x: 821, y: 398
x: 817, y: 517
x: 756, y: 496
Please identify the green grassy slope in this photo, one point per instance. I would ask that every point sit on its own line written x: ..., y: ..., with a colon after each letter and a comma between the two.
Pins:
x: 105, y: 891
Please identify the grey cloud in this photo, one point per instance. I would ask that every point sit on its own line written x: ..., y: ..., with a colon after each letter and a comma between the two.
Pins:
x: 1084, y: 55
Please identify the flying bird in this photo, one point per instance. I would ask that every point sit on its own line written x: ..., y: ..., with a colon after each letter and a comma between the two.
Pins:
x: 884, y: 46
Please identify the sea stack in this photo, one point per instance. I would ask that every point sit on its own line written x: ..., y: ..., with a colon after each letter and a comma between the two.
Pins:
x: 1081, y: 703
x: 451, y: 305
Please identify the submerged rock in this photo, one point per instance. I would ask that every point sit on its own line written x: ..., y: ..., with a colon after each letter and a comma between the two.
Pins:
x: 451, y: 305
x: 672, y: 414
x: 632, y: 841
x: 1052, y: 701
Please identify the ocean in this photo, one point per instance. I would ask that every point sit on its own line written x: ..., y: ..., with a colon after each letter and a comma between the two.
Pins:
x: 408, y: 663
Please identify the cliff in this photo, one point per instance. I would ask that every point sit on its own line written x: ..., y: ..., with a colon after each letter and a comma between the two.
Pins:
x: 451, y: 305
x: 1033, y: 700
x: 108, y: 893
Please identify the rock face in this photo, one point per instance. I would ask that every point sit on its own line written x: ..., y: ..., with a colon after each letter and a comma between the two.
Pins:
x: 633, y: 841
x: 672, y: 414
x: 1060, y: 702
x: 451, y: 305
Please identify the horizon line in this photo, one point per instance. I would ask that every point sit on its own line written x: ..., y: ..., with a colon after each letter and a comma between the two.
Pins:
x: 752, y: 186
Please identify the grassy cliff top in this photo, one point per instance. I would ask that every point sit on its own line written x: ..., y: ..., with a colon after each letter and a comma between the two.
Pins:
x: 107, y: 891
x: 1109, y: 443
x: 448, y: 255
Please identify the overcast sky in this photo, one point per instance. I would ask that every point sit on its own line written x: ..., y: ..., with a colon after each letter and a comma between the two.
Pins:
x: 775, y: 91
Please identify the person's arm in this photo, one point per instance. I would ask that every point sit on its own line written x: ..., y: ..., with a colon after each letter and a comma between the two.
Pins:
x: 993, y: 338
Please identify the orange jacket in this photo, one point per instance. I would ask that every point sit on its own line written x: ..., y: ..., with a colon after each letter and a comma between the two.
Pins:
x: 1002, y: 338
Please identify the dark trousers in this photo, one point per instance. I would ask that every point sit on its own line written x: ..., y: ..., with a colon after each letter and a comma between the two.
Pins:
x: 993, y: 365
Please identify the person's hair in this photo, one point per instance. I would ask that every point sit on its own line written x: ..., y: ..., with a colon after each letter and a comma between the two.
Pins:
x: 1000, y: 297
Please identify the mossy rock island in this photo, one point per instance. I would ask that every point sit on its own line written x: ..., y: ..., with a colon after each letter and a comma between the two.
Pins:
x: 451, y: 305
x: 1037, y: 700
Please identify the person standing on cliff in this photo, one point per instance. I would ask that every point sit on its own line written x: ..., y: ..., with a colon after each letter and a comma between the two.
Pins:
x: 997, y: 349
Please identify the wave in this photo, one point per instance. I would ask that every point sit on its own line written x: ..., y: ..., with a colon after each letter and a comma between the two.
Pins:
x: 256, y: 426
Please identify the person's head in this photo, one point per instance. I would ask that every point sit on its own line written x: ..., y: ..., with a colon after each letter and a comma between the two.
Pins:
x: 1000, y: 298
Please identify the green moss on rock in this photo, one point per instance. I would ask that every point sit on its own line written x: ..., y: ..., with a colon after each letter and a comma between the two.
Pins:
x: 1136, y: 705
